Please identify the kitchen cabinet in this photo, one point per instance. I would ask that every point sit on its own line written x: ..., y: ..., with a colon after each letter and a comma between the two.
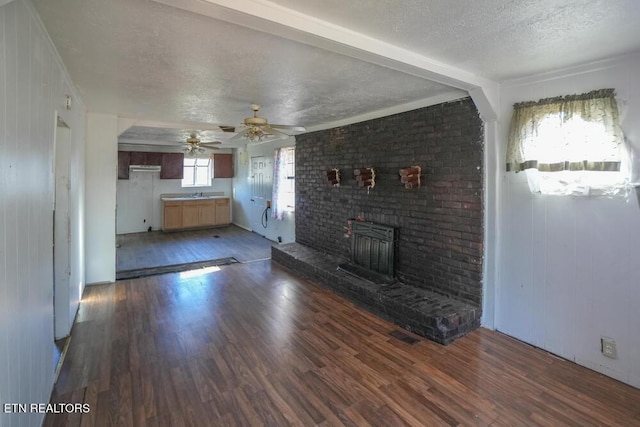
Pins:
x: 223, y: 165
x: 154, y: 159
x: 172, y: 166
x: 146, y: 158
x: 190, y: 214
x: 138, y: 158
x: 124, y: 160
x: 223, y: 215
x: 207, y: 213
x: 196, y: 213
x: 172, y: 219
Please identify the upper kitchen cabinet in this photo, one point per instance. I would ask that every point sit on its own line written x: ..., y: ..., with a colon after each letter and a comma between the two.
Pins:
x: 172, y: 166
x: 146, y: 158
x: 124, y: 160
x: 154, y: 159
x: 223, y: 165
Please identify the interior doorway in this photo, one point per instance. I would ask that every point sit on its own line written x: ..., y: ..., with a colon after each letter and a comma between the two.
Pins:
x: 61, y: 230
x: 61, y: 242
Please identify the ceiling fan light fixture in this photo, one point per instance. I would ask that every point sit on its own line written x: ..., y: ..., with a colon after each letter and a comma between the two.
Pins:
x: 193, y: 139
x: 257, y: 129
x: 255, y: 134
x: 193, y: 150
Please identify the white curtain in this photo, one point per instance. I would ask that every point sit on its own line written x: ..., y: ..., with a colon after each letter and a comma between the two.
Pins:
x: 280, y: 200
x: 569, y: 145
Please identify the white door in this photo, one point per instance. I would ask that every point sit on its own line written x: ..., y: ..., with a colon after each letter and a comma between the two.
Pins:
x: 260, y: 192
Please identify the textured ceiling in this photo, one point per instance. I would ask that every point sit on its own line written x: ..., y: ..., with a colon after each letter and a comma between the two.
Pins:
x: 145, y: 60
x: 499, y: 39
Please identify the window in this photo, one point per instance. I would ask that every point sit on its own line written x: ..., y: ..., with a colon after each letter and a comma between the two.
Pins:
x: 570, y: 145
x: 197, y: 172
x: 284, y: 178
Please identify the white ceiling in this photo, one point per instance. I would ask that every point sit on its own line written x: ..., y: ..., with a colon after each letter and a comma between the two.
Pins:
x: 195, y: 64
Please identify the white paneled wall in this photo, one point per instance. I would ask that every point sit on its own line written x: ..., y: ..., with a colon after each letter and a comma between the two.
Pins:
x: 569, y: 268
x: 101, y: 176
x: 33, y: 84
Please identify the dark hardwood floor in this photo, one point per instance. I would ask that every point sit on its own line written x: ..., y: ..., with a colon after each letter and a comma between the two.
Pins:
x: 250, y: 344
x: 158, y: 248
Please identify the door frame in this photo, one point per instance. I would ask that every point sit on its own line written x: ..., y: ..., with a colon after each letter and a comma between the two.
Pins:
x: 61, y: 228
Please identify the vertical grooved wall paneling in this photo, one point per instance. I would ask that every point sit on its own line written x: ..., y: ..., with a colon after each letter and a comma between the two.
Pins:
x: 33, y: 84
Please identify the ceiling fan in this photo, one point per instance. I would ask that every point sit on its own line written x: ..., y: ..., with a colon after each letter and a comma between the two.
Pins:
x: 257, y: 129
x: 193, y: 146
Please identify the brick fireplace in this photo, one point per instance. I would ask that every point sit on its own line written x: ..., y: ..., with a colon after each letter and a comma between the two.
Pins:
x: 438, y: 226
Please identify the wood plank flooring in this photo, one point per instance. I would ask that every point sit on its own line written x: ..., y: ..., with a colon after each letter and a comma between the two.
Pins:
x: 158, y: 248
x: 250, y: 344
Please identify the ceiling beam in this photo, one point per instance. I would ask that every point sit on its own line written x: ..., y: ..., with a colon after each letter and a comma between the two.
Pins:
x: 271, y: 18
x: 125, y: 123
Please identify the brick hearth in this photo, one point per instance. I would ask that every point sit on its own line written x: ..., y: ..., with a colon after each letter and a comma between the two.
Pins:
x: 436, y: 317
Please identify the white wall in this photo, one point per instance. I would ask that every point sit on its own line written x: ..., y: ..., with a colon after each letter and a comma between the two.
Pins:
x: 33, y: 84
x: 569, y: 268
x: 244, y: 213
x: 138, y: 198
x: 101, y: 177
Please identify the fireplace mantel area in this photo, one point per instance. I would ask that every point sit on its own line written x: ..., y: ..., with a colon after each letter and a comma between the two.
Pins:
x: 435, y: 286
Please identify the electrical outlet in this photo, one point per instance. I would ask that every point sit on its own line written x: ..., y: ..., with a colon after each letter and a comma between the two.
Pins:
x: 608, y: 347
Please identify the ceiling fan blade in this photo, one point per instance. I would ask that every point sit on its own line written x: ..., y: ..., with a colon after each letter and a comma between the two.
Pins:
x: 209, y: 148
x: 269, y: 130
x: 239, y: 136
x: 202, y: 144
x: 291, y: 128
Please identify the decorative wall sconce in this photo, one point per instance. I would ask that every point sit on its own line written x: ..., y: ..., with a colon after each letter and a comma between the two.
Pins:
x: 410, y: 177
x: 365, y: 177
x: 333, y: 176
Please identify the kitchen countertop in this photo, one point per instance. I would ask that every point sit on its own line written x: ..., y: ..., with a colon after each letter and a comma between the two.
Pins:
x: 187, y: 198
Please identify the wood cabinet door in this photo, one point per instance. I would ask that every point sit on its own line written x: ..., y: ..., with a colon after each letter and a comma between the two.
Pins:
x: 190, y: 214
x: 223, y: 215
x: 138, y: 158
x: 172, y: 218
x: 154, y: 159
x: 124, y: 158
x: 223, y: 165
x: 207, y: 211
x: 172, y: 166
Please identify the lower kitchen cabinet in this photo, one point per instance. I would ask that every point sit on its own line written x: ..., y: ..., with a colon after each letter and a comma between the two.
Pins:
x: 223, y: 214
x: 190, y: 214
x: 172, y: 219
x: 185, y: 214
x: 207, y: 211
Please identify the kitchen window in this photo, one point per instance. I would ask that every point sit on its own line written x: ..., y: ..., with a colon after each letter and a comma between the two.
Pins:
x: 197, y: 172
